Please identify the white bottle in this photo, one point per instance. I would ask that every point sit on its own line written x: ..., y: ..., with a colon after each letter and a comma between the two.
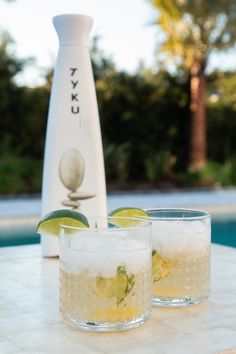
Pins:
x: 73, y: 175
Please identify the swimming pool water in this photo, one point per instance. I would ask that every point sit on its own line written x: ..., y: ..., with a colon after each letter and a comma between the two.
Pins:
x: 223, y: 232
x: 16, y: 236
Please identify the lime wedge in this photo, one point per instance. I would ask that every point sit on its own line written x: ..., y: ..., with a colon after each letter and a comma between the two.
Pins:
x: 117, y: 287
x: 161, y: 267
x: 50, y: 223
x: 127, y: 212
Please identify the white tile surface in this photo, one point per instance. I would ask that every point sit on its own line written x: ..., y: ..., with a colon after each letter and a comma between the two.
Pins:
x: 8, y: 347
x: 30, y: 322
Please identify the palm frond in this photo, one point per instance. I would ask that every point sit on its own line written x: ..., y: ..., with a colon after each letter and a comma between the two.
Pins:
x: 195, y: 28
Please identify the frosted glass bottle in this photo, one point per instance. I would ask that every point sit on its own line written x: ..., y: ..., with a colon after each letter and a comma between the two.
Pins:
x: 73, y: 175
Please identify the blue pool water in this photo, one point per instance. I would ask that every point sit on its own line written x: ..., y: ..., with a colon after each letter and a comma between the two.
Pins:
x: 16, y: 236
x: 223, y: 228
x: 223, y: 232
x: 149, y: 199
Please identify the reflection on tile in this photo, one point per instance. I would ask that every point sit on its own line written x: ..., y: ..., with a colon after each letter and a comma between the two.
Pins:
x: 160, y: 313
x: 155, y: 333
x: 117, y: 342
x: 207, y: 305
x: 231, y: 351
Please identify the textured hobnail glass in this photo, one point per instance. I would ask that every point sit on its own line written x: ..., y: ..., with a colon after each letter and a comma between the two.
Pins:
x: 82, y: 305
x: 105, y: 276
x: 180, y: 256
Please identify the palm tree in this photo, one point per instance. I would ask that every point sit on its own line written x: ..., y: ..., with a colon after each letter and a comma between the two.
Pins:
x: 193, y: 30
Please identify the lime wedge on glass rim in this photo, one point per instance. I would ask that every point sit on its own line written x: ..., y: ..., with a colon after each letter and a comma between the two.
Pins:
x: 51, y: 222
x: 118, y: 216
x: 161, y: 267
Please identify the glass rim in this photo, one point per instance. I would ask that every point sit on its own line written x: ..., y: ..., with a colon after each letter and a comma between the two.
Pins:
x: 202, y: 214
x: 143, y: 223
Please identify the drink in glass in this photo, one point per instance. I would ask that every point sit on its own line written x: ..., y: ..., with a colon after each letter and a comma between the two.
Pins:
x: 105, y: 274
x: 180, y: 256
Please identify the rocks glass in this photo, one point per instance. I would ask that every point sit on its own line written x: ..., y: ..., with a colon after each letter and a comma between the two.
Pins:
x: 180, y: 256
x: 105, y: 274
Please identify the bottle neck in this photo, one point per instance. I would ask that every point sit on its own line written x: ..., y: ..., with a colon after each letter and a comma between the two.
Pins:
x: 72, y: 30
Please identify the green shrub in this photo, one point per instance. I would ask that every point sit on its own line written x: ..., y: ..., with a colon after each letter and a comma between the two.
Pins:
x: 19, y: 175
x: 159, y: 166
x: 213, y: 173
x: 117, y: 159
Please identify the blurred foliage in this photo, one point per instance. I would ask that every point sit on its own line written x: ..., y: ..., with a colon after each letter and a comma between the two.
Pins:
x: 195, y: 28
x: 221, y: 112
x: 142, y: 113
x: 192, y: 30
x: 20, y: 174
x: 145, y: 126
x: 214, y: 173
x: 22, y: 125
